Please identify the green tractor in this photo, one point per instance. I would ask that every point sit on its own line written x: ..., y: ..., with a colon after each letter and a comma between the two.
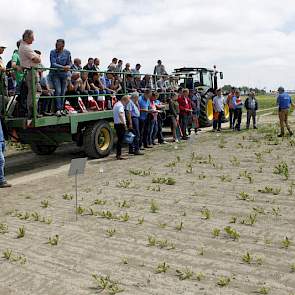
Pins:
x: 205, y: 82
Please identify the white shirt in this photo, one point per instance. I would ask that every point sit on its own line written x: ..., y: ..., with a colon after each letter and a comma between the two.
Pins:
x: 26, y: 55
x: 218, y: 102
x: 117, y: 109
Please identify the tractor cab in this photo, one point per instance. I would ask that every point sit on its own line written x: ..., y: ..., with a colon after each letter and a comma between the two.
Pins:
x: 200, y: 79
x: 205, y: 82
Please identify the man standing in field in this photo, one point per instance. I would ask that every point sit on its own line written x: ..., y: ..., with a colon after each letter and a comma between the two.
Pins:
x: 238, y: 107
x: 231, y: 106
x: 120, y: 123
x: 251, y: 105
x: 284, y: 102
x: 218, y: 105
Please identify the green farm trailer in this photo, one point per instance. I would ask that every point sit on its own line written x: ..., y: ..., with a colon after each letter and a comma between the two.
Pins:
x: 92, y: 130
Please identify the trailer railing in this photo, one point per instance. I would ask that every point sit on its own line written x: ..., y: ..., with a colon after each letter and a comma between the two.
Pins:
x: 170, y: 85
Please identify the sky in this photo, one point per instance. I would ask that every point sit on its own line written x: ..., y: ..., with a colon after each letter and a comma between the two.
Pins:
x: 252, y: 42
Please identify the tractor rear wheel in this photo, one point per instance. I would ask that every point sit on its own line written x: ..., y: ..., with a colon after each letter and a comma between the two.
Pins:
x: 42, y: 149
x: 206, y: 111
x: 98, y: 140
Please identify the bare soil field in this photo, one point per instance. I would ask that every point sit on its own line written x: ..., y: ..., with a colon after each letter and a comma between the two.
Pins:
x: 214, y: 215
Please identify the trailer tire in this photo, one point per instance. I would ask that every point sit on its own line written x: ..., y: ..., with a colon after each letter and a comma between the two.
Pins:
x: 42, y: 149
x: 98, y: 140
x: 206, y: 111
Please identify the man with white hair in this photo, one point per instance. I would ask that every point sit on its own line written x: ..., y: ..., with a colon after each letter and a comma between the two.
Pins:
x: 120, y: 124
x: 28, y: 59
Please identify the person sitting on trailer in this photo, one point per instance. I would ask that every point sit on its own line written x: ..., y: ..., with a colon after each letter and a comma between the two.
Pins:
x: 77, y: 64
x: 119, y: 66
x: 47, y: 90
x: 90, y: 67
x: 127, y: 69
x: 73, y: 92
x: 137, y: 83
x: 96, y: 64
x: 116, y: 85
x: 130, y: 85
x: 95, y: 83
x: 146, y: 82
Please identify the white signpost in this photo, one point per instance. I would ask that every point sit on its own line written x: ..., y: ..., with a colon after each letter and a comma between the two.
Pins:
x: 77, y: 167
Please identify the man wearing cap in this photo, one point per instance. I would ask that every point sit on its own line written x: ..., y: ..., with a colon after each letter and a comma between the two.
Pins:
x: 284, y: 102
x: 28, y: 59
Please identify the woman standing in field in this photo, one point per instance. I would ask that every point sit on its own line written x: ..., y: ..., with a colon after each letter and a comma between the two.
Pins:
x: 238, y: 107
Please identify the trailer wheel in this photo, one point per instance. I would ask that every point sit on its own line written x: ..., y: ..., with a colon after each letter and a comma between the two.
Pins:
x: 98, y: 140
x: 43, y: 150
x: 206, y: 112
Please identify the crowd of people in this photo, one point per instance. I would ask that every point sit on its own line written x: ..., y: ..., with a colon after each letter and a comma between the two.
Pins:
x: 136, y: 102
x: 76, y: 88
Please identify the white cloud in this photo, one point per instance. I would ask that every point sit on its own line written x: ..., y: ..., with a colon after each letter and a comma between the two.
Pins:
x: 246, y: 39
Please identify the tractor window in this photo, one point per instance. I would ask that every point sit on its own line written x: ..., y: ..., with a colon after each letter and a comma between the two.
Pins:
x: 207, y: 79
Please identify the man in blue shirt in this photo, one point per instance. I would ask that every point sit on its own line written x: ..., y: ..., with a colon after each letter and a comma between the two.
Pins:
x: 3, y: 182
x: 60, y: 59
x: 284, y: 102
x: 134, y: 114
x: 144, y: 105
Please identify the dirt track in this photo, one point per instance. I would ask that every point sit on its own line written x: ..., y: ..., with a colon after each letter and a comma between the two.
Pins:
x: 207, y: 177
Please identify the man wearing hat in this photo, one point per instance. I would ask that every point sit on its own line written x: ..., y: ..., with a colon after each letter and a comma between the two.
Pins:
x: 3, y: 182
x: 284, y: 102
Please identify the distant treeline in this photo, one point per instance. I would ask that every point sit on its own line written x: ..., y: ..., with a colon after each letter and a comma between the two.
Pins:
x: 243, y: 89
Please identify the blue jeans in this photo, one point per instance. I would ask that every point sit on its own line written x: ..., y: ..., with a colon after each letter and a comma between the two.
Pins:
x: 152, y: 131
x: 183, y: 118
x: 60, y: 86
x: 2, y: 162
x: 217, y: 122
x: 134, y: 147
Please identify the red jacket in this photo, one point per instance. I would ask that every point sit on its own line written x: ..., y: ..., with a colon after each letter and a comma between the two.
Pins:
x: 184, y: 103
